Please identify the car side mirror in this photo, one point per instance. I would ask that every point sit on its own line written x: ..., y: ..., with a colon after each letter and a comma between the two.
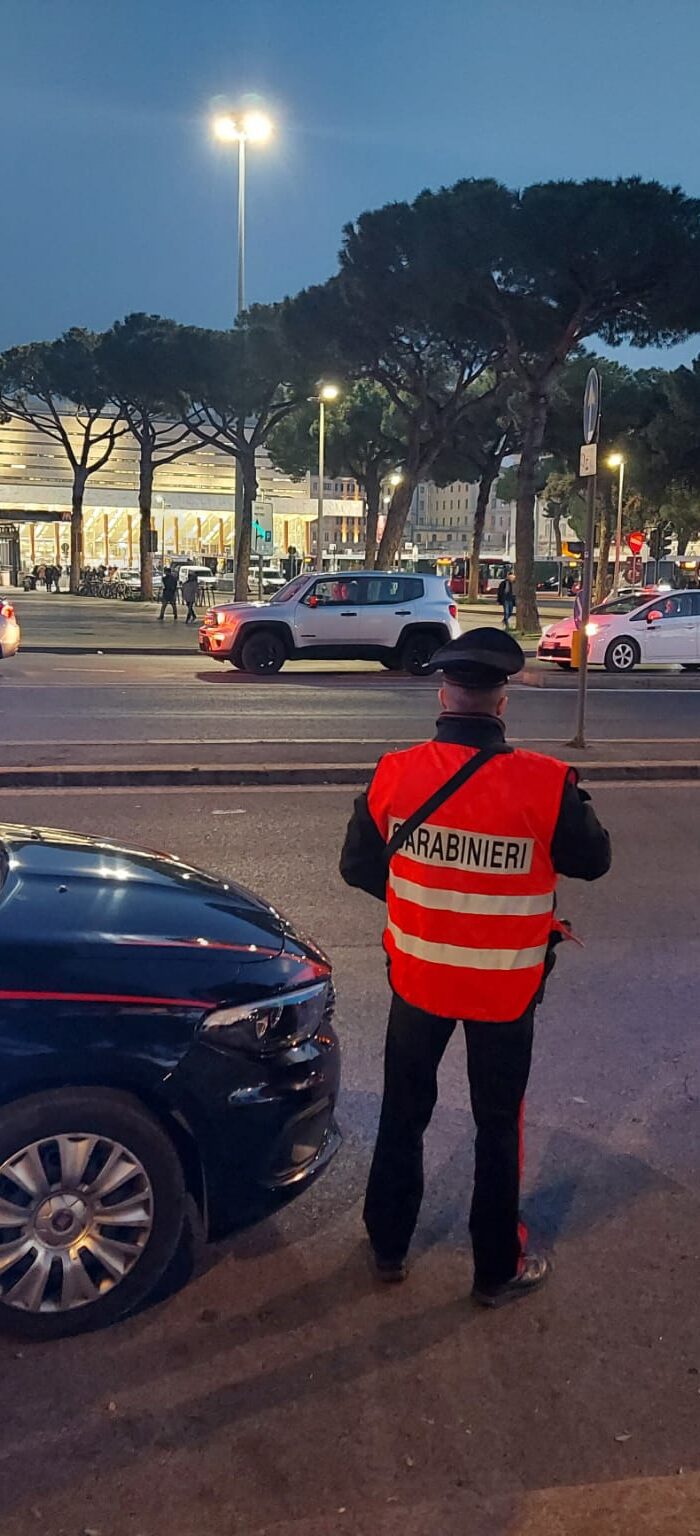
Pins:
x: 653, y: 615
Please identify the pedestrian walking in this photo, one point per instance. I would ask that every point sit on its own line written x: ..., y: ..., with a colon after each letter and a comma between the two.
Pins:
x: 506, y: 597
x: 168, y: 596
x: 190, y: 588
x: 464, y: 837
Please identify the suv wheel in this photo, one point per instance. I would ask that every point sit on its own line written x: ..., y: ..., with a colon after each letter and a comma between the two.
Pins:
x: 264, y: 651
x: 92, y: 1210
x: 622, y: 655
x: 417, y: 652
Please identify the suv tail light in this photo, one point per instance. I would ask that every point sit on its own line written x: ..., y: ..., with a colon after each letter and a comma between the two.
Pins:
x: 453, y: 610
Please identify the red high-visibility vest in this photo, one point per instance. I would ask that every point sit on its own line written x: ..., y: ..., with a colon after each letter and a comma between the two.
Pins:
x: 470, y: 896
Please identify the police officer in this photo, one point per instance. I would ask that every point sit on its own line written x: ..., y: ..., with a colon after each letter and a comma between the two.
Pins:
x: 464, y: 837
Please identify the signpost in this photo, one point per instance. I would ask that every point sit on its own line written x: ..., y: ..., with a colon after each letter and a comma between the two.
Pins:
x: 588, y: 466
x: 262, y: 537
x: 636, y: 542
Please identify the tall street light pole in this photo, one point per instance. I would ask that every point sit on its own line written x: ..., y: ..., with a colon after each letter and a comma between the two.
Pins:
x: 326, y: 395
x: 241, y: 129
x: 616, y: 461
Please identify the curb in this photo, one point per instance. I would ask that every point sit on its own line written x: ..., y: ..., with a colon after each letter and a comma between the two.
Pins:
x: 290, y: 774
x: 106, y: 650
x: 686, y: 681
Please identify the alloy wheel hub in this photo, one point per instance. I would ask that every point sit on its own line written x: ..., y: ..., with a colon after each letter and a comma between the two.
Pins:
x: 76, y: 1213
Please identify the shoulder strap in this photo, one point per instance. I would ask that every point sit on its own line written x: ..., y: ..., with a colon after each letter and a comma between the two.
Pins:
x: 439, y: 796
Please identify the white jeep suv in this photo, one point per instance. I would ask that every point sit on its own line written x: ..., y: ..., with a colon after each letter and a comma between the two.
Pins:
x: 385, y: 616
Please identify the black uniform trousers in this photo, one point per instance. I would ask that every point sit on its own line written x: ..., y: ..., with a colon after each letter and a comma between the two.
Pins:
x: 498, y: 1060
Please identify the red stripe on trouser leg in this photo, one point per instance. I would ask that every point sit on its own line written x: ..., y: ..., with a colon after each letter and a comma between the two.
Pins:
x: 522, y: 1229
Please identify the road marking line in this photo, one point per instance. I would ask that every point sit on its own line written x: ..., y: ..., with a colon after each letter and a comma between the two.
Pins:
x: 341, y: 741
x: 290, y: 789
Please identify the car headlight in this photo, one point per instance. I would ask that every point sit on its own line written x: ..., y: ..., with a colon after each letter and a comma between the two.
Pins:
x: 272, y: 1023
x: 592, y: 629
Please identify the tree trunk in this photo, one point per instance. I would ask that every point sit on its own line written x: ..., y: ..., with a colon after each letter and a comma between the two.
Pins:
x: 372, y: 489
x: 601, y: 585
x: 558, y: 548
x: 245, y: 466
x: 145, y: 500
x: 482, y: 502
x: 528, y: 619
x: 76, y: 529
x: 395, y: 523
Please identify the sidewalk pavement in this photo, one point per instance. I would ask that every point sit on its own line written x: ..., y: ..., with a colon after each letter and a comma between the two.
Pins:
x: 60, y: 624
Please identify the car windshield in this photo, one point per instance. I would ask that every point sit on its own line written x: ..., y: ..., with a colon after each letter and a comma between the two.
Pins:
x: 625, y: 604
x: 290, y: 590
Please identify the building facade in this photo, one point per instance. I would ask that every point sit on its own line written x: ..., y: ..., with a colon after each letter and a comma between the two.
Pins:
x: 192, y: 504
x: 441, y: 521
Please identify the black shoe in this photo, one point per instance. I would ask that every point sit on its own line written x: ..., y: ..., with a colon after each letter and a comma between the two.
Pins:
x: 389, y: 1271
x: 533, y: 1272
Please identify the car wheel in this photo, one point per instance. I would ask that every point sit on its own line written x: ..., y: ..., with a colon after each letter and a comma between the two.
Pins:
x: 622, y: 655
x: 92, y: 1210
x: 417, y: 652
x: 263, y: 652
x: 390, y: 663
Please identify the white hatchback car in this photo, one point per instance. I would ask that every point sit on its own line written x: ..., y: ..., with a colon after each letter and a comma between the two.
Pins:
x: 9, y: 629
x: 385, y: 616
x: 665, y: 628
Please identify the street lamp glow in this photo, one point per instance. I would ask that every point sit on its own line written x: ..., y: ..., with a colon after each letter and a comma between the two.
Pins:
x: 257, y: 127
x: 396, y: 478
x: 329, y: 392
x: 253, y: 127
x: 615, y: 460
x: 226, y: 129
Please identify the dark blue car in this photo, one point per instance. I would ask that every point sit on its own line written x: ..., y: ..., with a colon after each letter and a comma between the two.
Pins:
x: 165, y: 1045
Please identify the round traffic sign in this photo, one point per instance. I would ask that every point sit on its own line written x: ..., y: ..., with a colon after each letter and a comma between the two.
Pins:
x: 636, y: 542
x: 591, y: 405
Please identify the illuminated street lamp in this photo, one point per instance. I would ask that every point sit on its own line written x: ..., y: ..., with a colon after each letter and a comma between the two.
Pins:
x: 326, y: 395
x: 616, y: 461
x: 242, y: 129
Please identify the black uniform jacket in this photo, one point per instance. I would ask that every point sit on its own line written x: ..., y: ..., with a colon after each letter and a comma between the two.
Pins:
x: 580, y: 845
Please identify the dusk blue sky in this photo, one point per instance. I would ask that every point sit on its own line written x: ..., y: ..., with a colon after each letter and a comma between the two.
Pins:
x: 116, y: 199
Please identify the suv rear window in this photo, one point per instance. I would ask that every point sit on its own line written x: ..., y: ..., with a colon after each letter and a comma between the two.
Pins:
x: 393, y: 589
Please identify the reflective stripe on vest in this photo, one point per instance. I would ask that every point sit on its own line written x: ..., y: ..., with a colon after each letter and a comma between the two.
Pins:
x: 444, y: 899
x: 467, y: 959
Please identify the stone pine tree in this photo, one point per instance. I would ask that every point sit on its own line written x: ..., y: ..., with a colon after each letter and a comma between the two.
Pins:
x: 139, y: 362
x: 363, y: 438
x: 240, y: 386
x: 57, y: 387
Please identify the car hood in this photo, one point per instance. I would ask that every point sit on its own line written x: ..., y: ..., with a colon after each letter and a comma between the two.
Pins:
x: 241, y: 610
x: 85, y: 913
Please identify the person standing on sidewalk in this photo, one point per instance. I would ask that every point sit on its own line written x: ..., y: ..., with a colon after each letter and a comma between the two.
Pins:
x: 168, y: 596
x: 506, y: 598
x: 190, y: 588
x: 464, y: 837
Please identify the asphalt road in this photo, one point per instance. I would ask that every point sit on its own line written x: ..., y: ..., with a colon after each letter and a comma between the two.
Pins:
x: 147, y: 709
x: 281, y: 1394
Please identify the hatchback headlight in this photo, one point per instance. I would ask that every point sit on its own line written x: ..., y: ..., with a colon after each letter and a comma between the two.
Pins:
x: 592, y: 629
x: 272, y: 1023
